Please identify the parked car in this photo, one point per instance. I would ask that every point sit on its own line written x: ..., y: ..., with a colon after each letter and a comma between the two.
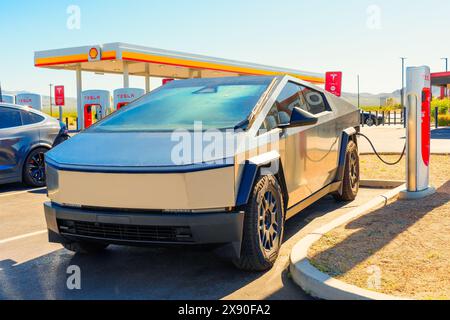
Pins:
x: 25, y: 136
x: 371, y: 119
x: 118, y: 183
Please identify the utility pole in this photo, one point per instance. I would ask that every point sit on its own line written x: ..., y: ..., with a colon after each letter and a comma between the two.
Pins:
x: 446, y: 70
x: 446, y: 63
x: 403, y: 91
x: 358, y: 95
x: 51, y: 107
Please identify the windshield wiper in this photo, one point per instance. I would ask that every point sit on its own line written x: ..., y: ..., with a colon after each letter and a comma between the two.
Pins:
x: 242, y: 125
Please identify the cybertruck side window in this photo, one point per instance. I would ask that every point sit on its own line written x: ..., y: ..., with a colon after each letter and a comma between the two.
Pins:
x: 315, y: 101
x: 281, y: 112
x: 9, y: 118
x: 272, y: 120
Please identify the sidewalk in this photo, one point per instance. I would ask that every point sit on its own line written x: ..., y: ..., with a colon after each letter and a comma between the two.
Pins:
x: 391, y: 139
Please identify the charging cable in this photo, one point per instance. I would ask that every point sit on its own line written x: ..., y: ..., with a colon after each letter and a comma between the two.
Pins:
x: 378, y: 155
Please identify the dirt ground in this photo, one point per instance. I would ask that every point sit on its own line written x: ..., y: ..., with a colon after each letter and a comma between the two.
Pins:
x: 402, y: 249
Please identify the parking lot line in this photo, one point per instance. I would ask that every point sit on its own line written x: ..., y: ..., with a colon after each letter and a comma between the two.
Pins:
x: 27, y: 235
x: 20, y: 192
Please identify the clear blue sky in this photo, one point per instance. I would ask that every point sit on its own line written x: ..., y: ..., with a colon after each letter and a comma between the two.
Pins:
x: 310, y: 35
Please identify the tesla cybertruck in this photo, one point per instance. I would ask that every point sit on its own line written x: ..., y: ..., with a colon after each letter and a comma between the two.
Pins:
x: 269, y: 147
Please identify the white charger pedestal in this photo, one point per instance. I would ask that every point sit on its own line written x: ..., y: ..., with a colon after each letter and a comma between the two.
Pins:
x: 418, y: 93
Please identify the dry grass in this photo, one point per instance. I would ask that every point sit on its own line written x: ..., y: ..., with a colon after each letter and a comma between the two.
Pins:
x: 408, y: 242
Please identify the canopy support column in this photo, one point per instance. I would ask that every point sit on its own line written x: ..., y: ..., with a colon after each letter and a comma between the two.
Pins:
x: 147, y: 78
x: 126, y: 75
x: 80, y: 110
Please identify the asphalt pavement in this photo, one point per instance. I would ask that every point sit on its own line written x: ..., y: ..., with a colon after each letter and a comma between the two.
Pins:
x: 31, y: 268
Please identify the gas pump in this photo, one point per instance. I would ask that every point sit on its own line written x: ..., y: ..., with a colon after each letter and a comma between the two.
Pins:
x: 96, y: 105
x: 31, y: 100
x: 123, y: 97
x: 418, y: 93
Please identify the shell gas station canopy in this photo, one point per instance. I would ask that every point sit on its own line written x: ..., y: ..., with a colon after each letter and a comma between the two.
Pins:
x: 120, y: 58
x: 132, y: 60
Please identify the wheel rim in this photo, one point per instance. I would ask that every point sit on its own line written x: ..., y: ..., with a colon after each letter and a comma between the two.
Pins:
x: 36, y: 168
x: 354, y: 170
x: 269, y: 227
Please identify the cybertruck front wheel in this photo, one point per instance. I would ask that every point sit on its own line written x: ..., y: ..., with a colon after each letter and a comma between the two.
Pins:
x: 350, y: 184
x: 84, y: 247
x: 263, y: 226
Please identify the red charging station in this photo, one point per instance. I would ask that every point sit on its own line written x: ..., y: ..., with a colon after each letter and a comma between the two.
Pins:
x: 418, y: 93
x: 98, y: 101
x: 166, y: 81
x: 125, y: 96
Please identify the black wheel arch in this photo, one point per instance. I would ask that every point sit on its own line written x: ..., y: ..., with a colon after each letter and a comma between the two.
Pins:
x: 348, y: 135
x: 251, y: 173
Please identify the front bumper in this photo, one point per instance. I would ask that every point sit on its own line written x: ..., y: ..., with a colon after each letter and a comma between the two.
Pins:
x: 135, y: 228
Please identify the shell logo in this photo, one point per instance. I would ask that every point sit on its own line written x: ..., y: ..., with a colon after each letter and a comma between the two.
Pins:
x: 93, y: 53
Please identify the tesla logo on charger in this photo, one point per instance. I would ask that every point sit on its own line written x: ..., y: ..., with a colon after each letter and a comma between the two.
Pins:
x: 125, y: 96
x: 333, y: 83
x: 91, y: 98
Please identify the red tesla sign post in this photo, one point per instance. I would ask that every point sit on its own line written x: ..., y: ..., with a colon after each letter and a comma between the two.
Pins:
x: 60, y: 100
x: 333, y: 83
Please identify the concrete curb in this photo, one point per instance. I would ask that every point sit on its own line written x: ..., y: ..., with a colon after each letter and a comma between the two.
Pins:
x: 381, y: 184
x: 321, y: 285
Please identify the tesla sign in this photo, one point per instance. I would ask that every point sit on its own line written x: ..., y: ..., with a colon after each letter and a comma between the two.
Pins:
x: 333, y: 83
x: 59, y: 96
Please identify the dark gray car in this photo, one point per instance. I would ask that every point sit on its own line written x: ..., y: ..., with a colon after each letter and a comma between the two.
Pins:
x: 25, y: 136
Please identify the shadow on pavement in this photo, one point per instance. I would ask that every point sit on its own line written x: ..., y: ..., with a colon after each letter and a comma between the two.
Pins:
x: 18, y: 187
x: 148, y: 273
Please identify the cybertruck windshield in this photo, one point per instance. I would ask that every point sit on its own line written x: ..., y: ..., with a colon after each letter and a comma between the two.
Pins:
x: 220, y: 103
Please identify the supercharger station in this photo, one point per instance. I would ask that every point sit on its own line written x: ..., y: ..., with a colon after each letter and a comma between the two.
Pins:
x: 6, y: 98
x: 31, y: 100
x: 125, y: 96
x: 418, y: 94
x: 100, y: 100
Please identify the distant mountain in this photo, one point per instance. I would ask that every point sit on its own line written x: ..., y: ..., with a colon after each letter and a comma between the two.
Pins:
x: 369, y: 99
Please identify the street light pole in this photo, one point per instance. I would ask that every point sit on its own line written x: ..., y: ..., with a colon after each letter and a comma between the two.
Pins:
x: 359, y: 106
x: 446, y: 63
x: 446, y: 70
x: 51, y: 107
x: 403, y: 91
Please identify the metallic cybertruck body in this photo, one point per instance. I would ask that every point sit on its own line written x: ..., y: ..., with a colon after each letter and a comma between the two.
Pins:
x: 122, y: 186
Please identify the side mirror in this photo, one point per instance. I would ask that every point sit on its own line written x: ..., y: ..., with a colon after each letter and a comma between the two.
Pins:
x: 300, y: 118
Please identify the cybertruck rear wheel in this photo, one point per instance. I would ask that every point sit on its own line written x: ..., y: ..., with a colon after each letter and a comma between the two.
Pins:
x: 263, y: 226
x: 350, y: 184
x: 84, y: 247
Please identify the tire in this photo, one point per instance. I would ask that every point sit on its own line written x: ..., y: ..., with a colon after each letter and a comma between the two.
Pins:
x: 350, y: 184
x: 263, y: 226
x: 84, y: 247
x: 34, y: 168
x: 370, y: 122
